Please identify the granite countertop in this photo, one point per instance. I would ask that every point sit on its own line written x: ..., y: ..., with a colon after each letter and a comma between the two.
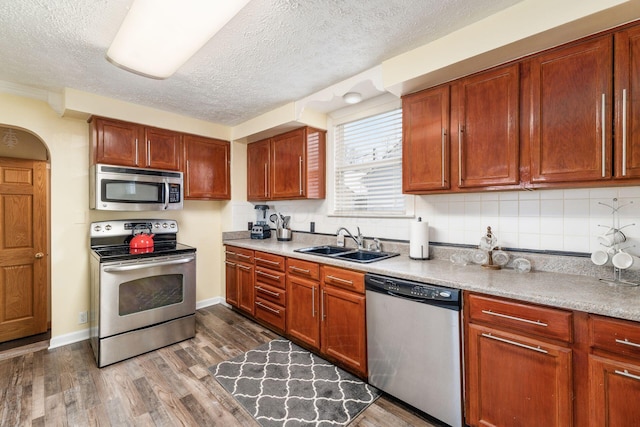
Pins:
x: 568, y: 291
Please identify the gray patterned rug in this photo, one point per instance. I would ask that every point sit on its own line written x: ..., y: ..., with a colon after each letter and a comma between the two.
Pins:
x: 281, y: 384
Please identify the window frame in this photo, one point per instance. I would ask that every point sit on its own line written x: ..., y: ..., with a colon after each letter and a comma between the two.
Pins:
x: 371, y: 107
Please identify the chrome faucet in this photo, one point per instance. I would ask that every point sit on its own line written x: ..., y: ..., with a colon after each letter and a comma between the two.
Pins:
x: 359, y: 240
x: 375, y: 246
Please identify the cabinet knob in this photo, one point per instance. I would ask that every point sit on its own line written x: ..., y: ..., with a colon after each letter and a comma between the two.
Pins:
x: 39, y: 255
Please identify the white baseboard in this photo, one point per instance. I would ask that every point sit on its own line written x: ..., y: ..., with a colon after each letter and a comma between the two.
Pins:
x: 73, y: 337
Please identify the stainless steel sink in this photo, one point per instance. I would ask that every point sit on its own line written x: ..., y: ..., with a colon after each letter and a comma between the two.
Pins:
x: 347, y: 254
x: 324, y: 250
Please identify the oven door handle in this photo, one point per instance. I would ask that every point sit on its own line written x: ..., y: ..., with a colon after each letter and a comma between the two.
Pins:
x: 146, y: 265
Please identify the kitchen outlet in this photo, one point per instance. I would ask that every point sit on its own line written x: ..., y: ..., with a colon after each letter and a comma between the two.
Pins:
x: 82, y: 317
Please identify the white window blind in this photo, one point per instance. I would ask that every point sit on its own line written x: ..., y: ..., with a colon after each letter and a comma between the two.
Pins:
x: 368, y: 166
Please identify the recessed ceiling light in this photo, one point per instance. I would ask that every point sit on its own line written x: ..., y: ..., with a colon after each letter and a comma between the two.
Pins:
x: 352, y: 97
x: 158, y: 36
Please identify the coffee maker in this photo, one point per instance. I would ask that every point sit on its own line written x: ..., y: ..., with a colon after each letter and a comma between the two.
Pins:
x: 261, y: 229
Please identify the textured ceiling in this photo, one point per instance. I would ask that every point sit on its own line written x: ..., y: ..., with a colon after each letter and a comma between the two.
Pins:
x: 273, y: 52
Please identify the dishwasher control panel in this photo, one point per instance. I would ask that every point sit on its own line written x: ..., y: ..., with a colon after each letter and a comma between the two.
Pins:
x: 420, y: 292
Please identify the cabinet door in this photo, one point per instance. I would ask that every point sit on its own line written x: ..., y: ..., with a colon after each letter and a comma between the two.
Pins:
x: 116, y: 143
x: 515, y: 380
x: 488, y: 138
x: 303, y: 317
x: 258, y: 170
x: 288, y: 162
x: 425, y: 145
x: 614, y: 391
x: 627, y: 103
x: 344, y: 335
x: 570, y: 102
x: 246, y: 291
x: 163, y: 149
x: 207, y: 175
x: 231, y: 283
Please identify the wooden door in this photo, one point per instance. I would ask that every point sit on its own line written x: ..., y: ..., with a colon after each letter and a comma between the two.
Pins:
x: 570, y: 123
x: 515, y: 380
x: 627, y: 104
x: 246, y: 291
x: 258, y: 170
x: 303, y: 316
x: 24, y: 254
x: 487, y: 140
x: 163, y: 149
x: 231, y: 283
x: 344, y: 336
x: 288, y: 162
x: 116, y: 143
x: 425, y: 142
x: 614, y: 391
x: 207, y: 174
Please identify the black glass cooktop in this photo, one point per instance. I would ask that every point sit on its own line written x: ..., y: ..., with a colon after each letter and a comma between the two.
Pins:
x: 123, y: 252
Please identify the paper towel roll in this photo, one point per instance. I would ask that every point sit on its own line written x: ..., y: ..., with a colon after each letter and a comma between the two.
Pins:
x: 419, y: 240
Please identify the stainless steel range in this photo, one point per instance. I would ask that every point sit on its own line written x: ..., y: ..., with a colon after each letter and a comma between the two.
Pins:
x: 144, y: 298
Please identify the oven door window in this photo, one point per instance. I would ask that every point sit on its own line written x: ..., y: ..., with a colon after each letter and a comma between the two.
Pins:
x: 148, y: 293
x: 132, y: 191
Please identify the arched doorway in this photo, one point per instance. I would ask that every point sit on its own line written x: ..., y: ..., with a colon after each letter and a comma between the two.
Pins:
x: 25, y: 285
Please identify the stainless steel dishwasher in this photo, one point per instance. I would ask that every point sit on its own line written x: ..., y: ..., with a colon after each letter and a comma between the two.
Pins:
x: 413, y: 343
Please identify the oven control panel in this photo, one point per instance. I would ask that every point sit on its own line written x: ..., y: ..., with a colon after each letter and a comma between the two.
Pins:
x: 127, y: 227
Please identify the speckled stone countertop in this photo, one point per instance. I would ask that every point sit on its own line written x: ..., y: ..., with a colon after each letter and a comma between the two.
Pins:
x: 570, y: 291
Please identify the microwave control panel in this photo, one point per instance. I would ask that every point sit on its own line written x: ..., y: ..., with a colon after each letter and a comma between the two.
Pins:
x: 174, y: 193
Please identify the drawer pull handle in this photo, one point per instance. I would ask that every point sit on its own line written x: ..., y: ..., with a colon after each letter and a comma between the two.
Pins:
x: 244, y: 267
x: 299, y: 270
x: 267, y: 261
x: 232, y: 264
x: 267, y: 291
x: 626, y: 373
x: 528, y: 347
x: 519, y: 319
x: 627, y: 342
x: 266, y: 307
x: 270, y: 276
x: 229, y: 253
x: 243, y: 256
x: 337, y: 279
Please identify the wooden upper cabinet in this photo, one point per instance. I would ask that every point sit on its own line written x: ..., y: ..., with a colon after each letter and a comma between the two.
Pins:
x: 425, y: 142
x: 627, y: 103
x: 163, y: 149
x: 485, y: 128
x: 206, y: 167
x: 116, y: 142
x: 293, y: 167
x: 258, y: 170
x: 570, y: 98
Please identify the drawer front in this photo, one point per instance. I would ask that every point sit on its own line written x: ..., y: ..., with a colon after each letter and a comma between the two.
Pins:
x: 270, y: 261
x: 270, y: 277
x: 275, y: 295
x: 341, y: 278
x: 234, y: 253
x: 532, y: 319
x: 306, y: 269
x: 270, y: 313
x: 618, y: 336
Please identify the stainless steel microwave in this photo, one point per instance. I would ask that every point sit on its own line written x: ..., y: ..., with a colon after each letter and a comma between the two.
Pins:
x: 120, y: 188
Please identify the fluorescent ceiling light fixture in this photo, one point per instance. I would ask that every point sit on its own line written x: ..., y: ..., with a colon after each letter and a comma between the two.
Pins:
x: 158, y: 36
x: 352, y: 97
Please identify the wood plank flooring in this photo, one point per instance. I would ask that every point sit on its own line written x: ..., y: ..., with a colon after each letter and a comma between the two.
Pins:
x: 166, y: 387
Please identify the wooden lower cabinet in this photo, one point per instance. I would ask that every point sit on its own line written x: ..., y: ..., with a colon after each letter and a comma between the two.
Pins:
x: 303, y: 316
x: 516, y: 380
x: 239, y: 279
x: 343, y: 328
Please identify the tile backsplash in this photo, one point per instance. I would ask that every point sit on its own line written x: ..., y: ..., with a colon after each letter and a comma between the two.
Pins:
x: 558, y: 220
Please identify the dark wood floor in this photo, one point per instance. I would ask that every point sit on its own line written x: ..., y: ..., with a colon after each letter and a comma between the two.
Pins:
x: 166, y: 387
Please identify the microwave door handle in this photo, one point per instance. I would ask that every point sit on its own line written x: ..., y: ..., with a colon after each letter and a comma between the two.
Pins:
x: 141, y: 266
x: 166, y: 195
